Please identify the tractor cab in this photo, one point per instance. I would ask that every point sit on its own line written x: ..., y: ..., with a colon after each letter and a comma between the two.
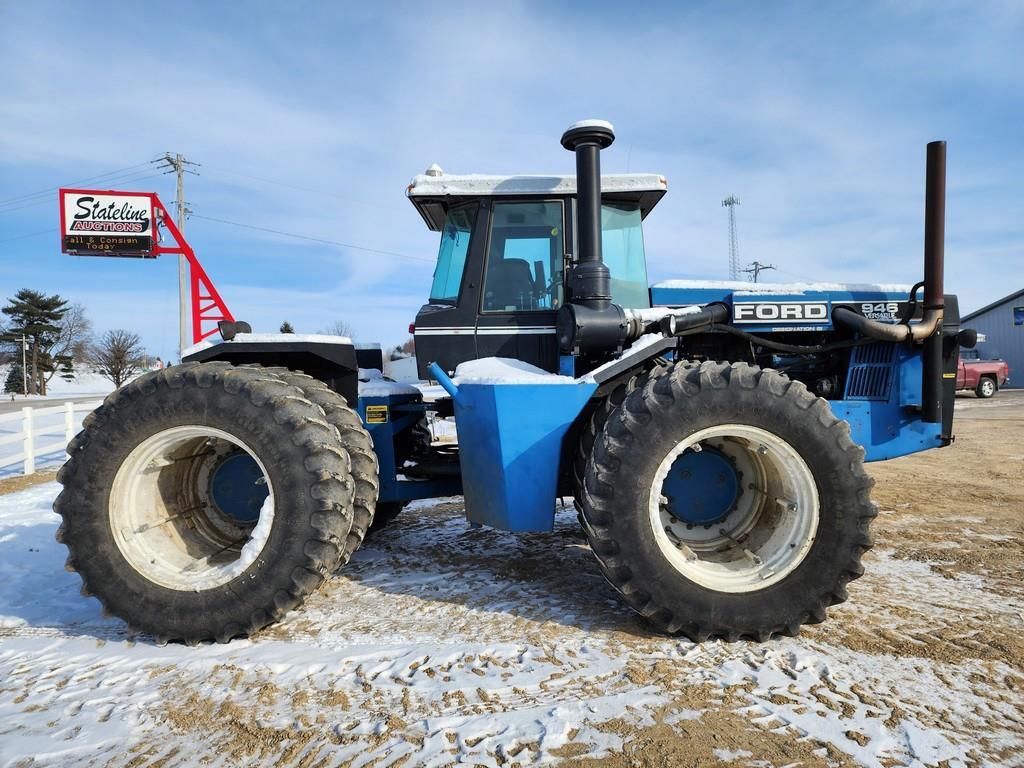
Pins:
x: 507, y: 243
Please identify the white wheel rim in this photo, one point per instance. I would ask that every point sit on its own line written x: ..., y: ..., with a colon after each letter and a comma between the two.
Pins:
x: 987, y: 386
x: 164, y: 521
x: 768, y: 533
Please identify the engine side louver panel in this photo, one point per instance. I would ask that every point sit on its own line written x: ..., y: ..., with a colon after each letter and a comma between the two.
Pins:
x: 871, y: 372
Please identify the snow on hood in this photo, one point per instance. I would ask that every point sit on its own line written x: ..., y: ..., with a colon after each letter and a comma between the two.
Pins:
x: 784, y: 288
x: 270, y: 338
x: 373, y: 384
x: 505, y: 370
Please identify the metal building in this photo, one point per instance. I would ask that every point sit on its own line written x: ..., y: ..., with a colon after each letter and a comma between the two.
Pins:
x: 1002, y: 322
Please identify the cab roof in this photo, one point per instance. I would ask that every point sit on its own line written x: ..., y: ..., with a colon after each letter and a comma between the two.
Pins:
x: 434, y: 191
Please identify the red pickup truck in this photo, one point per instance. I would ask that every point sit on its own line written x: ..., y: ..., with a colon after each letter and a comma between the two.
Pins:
x: 985, y: 377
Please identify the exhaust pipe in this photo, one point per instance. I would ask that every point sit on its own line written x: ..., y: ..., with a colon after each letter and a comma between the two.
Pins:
x: 589, y: 278
x: 589, y: 322
x: 934, y: 258
x: 930, y: 327
x: 934, y: 289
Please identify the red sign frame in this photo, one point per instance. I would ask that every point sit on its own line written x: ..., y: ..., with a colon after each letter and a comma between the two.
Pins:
x: 207, y: 304
x: 144, y: 254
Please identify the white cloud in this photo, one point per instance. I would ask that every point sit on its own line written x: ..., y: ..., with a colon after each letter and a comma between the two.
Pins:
x: 816, y: 119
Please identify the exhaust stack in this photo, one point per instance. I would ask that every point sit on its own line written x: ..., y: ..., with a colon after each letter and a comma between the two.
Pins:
x: 589, y: 278
x: 588, y: 321
x: 934, y: 290
x: 929, y: 330
x: 934, y: 257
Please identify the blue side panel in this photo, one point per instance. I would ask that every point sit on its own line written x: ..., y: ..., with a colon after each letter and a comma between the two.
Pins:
x: 885, y: 430
x: 510, y: 446
x: 883, y: 399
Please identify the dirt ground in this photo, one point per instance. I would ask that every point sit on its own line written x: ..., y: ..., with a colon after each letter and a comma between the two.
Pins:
x: 21, y: 482
x: 440, y: 645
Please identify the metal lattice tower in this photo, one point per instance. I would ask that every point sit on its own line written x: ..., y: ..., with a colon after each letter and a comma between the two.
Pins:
x: 734, y: 249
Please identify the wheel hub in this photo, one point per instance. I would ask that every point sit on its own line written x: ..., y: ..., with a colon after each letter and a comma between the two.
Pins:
x: 238, y: 488
x: 702, y: 487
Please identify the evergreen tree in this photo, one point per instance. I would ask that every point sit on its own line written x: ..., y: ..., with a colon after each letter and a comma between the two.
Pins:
x: 38, y: 317
x: 14, y: 382
x: 286, y: 327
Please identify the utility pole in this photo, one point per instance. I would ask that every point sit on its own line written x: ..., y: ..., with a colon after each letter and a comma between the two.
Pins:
x: 177, y: 164
x: 734, y: 249
x: 756, y: 269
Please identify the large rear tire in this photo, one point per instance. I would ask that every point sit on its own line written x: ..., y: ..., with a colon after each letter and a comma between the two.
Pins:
x: 747, y: 507
x: 357, y: 443
x: 161, y: 507
x: 593, y: 425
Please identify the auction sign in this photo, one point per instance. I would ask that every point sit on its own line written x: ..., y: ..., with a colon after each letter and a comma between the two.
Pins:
x: 106, y: 223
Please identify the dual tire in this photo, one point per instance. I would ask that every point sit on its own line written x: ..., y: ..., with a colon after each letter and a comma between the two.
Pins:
x: 159, y: 530
x: 791, y: 527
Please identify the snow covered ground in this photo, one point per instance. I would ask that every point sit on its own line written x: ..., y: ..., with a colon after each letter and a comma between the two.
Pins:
x: 85, y: 383
x: 439, y: 644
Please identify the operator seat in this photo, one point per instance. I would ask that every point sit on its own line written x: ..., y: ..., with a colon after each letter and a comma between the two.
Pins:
x: 509, y: 284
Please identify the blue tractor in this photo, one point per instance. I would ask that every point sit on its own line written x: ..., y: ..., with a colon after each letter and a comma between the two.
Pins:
x: 712, y: 435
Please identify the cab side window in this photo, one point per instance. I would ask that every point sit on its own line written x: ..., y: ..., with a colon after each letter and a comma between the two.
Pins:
x: 524, y: 261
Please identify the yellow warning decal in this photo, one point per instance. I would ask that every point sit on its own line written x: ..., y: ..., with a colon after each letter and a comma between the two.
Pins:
x: 376, y: 414
x: 949, y: 375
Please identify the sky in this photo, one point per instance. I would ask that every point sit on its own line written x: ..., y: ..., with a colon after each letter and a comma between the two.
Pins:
x: 312, y: 117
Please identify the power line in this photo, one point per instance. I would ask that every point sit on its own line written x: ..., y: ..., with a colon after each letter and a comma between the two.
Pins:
x: 30, y: 234
x: 127, y: 179
x: 260, y: 229
x: 314, y: 239
x: 50, y: 190
x: 802, y: 278
x: 289, y: 185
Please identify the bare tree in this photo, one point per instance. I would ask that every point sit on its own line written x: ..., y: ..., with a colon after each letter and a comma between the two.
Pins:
x: 117, y: 355
x: 339, y: 328
x: 72, y: 343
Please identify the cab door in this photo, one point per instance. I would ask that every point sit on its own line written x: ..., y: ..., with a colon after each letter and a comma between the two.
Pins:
x: 523, y: 282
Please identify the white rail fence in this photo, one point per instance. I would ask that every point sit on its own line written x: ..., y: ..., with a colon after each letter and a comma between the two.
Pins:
x: 32, y: 434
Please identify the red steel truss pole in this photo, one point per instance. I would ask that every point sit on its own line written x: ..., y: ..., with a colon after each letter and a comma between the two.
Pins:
x: 207, y: 305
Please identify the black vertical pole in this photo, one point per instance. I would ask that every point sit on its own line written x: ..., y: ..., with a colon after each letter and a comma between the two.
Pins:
x: 588, y: 200
x: 590, y: 280
x: 934, y: 290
